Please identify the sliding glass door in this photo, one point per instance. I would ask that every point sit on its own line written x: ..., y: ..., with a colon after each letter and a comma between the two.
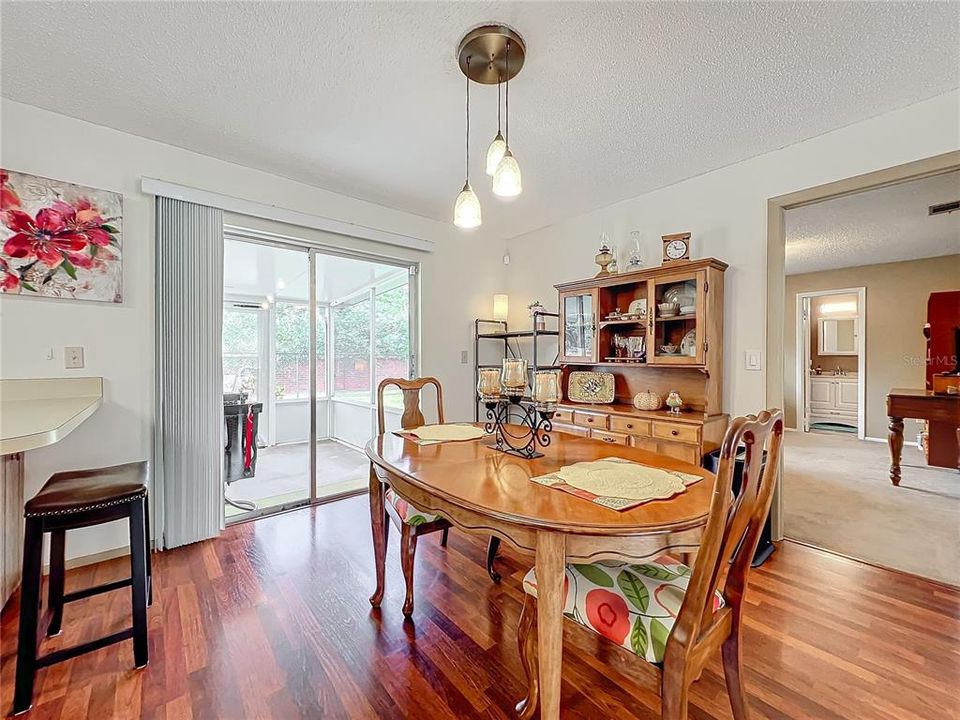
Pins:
x: 308, y: 336
x: 266, y: 373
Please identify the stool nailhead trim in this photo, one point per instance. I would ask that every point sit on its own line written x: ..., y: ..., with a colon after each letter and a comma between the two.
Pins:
x: 85, y: 508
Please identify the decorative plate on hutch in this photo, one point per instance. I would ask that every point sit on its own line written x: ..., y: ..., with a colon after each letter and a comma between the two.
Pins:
x: 590, y: 387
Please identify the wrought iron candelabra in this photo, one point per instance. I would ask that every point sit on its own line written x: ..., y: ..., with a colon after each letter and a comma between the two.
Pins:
x: 518, y: 429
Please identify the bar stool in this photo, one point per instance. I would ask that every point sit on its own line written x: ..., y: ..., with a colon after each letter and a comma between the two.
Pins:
x: 67, y: 501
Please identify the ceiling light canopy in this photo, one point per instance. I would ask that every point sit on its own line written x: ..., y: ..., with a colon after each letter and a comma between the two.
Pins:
x: 490, y: 55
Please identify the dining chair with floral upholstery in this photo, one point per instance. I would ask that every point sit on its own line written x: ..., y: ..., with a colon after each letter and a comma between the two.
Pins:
x: 659, y: 622
x: 411, y: 521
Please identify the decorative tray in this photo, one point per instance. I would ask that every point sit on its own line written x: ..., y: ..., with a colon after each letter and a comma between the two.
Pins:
x: 590, y: 387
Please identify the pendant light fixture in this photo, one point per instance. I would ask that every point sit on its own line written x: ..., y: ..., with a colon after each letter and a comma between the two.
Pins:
x: 506, y: 180
x: 499, y: 146
x: 466, y: 209
x: 490, y: 54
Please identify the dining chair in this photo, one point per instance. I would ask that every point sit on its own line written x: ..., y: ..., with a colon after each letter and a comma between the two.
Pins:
x: 411, y: 521
x: 660, y: 622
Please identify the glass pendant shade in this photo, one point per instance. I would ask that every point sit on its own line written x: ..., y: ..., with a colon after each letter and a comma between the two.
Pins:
x: 495, y: 154
x: 466, y: 210
x: 506, y: 180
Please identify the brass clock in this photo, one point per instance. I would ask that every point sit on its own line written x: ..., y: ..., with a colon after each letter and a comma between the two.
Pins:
x: 676, y: 248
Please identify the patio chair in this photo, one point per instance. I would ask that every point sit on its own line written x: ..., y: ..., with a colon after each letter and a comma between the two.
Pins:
x: 411, y: 521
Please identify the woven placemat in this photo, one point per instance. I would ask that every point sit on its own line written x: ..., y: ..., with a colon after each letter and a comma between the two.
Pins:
x: 447, y: 432
x: 617, y: 483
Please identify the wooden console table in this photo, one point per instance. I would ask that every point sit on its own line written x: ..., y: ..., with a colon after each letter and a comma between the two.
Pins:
x: 943, y: 414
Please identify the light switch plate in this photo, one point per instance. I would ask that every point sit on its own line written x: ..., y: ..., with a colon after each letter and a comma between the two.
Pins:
x: 73, y: 357
x: 754, y: 359
x: 464, y: 359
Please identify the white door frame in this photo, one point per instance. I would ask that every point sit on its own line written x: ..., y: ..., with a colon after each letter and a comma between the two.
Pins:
x: 804, y: 354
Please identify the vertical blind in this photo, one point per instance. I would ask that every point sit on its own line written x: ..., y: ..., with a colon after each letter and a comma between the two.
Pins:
x: 188, y: 494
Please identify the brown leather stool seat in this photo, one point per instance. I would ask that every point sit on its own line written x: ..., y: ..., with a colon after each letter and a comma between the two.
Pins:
x: 70, y: 500
x: 76, y: 491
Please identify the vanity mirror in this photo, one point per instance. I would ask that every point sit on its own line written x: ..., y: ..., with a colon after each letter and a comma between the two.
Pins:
x: 838, y: 336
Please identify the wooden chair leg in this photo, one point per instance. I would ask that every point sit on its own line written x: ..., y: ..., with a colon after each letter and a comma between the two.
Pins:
x: 493, y: 547
x: 55, y: 587
x: 408, y: 549
x: 527, y: 644
x: 380, y: 525
x: 138, y: 576
x: 29, y: 599
x: 673, y: 693
x: 443, y: 537
x: 733, y: 672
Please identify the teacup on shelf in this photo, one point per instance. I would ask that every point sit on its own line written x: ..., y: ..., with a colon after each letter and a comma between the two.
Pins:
x: 668, y: 349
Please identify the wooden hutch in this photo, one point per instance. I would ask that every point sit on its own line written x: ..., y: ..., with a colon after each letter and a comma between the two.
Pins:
x: 587, y: 343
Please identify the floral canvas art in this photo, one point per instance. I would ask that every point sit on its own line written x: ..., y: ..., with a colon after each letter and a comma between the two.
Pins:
x: 59, y: 240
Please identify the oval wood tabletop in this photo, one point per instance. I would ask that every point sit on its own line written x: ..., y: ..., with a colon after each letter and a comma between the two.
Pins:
x: 476, y: 477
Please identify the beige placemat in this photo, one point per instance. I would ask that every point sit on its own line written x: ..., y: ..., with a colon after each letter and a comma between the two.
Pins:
x: 617, y: 483
x: 448, y: 432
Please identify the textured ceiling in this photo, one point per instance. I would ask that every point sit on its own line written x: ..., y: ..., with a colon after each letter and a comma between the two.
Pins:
x: 366, y: 99
x: 878, y: 226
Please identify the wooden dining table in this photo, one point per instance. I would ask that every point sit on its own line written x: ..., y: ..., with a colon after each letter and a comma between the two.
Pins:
x: 482, y: 490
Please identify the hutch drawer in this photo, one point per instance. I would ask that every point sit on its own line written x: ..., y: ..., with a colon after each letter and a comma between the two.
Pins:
x: 572, y: 429
x: 610, y: 437
x: 676, y: 431
x: 590, y: 419
x: 563, y: 416
x: 631, y: 426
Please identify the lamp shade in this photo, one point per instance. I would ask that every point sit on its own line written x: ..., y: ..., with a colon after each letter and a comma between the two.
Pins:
x: 500, y: 307
x: 466, y: 209
x: 495, y: 154
x: 506, y: 180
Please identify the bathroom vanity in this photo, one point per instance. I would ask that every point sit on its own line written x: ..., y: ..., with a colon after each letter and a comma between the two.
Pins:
x: 834, y: 399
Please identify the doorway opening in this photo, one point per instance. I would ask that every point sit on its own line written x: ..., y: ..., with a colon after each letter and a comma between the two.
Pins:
x: 875, y: 238
x: 308, y: 334
x: 831, y: 360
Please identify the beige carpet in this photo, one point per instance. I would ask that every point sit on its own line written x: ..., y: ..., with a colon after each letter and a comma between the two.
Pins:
x: 838, y: 496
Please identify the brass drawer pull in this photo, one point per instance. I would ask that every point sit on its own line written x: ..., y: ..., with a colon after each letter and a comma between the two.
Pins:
x: 609, y: 440
x: 674, y: 432
x: 629, y: 426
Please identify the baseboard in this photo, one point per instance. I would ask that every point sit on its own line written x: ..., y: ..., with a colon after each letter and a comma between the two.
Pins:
x: 97, y: 557
x: 869, y: 563
x: 906, y: 443
x: 78, y: 562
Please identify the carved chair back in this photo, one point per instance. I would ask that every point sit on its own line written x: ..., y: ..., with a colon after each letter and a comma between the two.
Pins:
x: 732, y: 532
x: 412, y: 415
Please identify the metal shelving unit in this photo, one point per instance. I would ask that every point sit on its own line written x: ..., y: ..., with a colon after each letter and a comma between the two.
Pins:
x: 505, y: 334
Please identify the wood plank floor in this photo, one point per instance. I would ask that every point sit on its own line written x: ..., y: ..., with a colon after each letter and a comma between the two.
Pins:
x: 272, y: 621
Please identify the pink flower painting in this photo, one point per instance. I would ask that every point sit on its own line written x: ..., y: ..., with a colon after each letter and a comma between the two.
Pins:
x: 59, y: 240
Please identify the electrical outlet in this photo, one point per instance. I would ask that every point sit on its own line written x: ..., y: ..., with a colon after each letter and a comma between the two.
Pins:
x: 463, y: 357
x: 73, y: 357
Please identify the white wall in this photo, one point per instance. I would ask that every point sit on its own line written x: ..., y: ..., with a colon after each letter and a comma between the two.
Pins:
x: 726, y: 210
x: 457, y: 281
x: 293, y: 420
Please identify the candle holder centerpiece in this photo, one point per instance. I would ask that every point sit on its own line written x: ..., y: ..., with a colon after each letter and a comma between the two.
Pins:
x: 518, y: 428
